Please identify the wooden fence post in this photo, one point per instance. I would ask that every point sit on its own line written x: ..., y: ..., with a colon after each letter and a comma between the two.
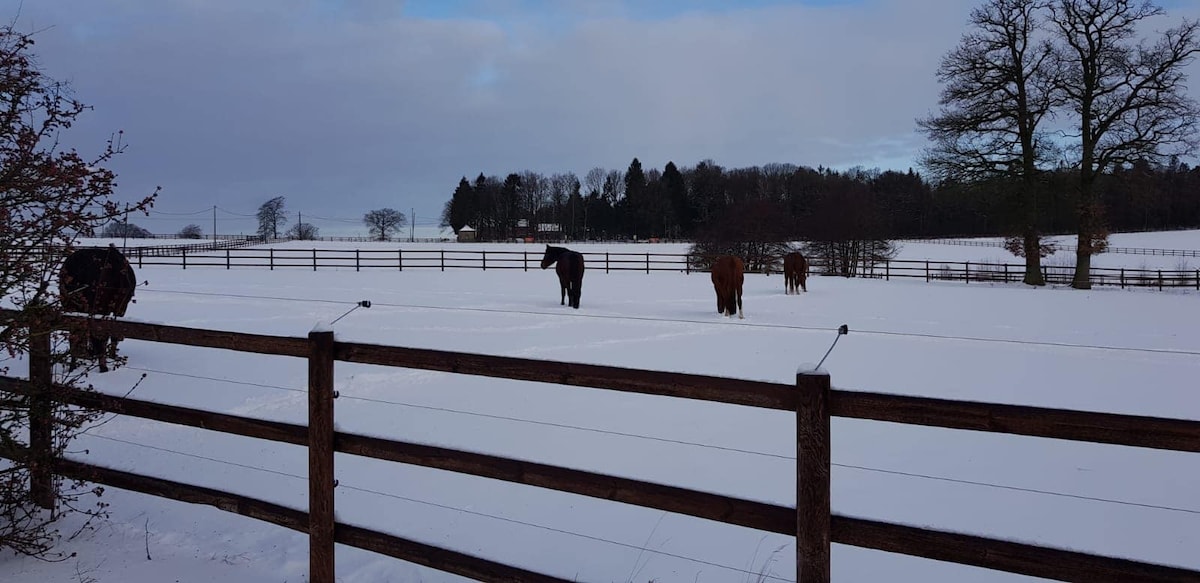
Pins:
x: 41, y: 420
x: 400, y: 259
x: 647, y: 264
x: 812, y: 477
x: 227, y: 262
x: 314, y: 253
x: 271, y: 257
x: 1160, y: 282
x: 485, y: 260
x: 525, y: 259
x: 443, y: 260
x: 357, y: 266
x: 926, y: 271
x: 183, y: 252
x: 967, y: 272
x: 606, y: 262
x: 320, y: 457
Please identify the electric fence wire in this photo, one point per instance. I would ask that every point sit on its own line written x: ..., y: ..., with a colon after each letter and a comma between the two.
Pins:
x: 857, y: 331
x: 707, y: 446
x: 346, y: 486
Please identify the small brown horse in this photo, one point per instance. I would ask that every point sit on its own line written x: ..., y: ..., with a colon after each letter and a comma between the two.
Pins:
x: 569, y: 270
x: 727, y: 278
x: 795, y: 273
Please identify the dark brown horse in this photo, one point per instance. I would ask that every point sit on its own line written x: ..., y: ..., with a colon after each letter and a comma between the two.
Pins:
x: 727, y: 277
x: 96, y: 281
x: 795, y: 273
x: 569, y: 270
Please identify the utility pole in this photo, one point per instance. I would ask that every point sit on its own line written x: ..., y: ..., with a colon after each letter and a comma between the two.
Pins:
x: 299, y: 225
x: 412, y: 224
x: 214, y: 232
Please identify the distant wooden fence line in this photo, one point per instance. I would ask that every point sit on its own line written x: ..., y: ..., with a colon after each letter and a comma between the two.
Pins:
x: 443, y: 259
x: 151, y: 251
x: 1069, y: 248
x: 811, y: 399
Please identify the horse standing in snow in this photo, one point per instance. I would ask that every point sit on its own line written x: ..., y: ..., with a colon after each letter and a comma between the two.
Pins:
x: 795, y: 273
x: 727, y: 277
x: 570, y: 272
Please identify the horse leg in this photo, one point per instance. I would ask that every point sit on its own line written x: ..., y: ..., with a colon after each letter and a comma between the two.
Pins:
x: 576, y: 292
x: 741, y: 314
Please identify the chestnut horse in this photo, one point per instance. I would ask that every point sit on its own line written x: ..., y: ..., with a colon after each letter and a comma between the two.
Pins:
x: 569, y: 270
x: 795, y: 273
x: 727, y: 277
x: 96, y: 281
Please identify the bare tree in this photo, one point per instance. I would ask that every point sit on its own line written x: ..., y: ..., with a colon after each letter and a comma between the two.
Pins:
x: 561, y: 188
x: 383, y: 222
x: 998, y: 89
x: 303, y: 232
x: 1127, y: 99
x: 119, y: 229
x: 593, y: 181
x: 271, y: 217
x: 191, y: 232
x: 535, y: 195
x: 49, y: 194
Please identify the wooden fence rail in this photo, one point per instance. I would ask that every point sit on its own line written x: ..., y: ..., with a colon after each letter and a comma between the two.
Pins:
x: 810, y: 398
x: 452, y: 259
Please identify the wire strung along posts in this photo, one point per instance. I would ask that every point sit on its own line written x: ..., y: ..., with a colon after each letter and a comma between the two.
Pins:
x: 812, y: 471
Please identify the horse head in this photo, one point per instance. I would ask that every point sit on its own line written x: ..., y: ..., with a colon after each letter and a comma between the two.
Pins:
x: 552, y: 254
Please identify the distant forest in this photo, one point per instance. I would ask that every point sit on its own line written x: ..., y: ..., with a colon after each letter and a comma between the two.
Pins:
x: 778, y: 202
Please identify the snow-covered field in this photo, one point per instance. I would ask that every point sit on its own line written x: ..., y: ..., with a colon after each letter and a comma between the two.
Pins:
x: 1114, y: 350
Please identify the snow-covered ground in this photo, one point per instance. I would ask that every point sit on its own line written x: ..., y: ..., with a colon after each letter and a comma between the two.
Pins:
x: 1114, y: 350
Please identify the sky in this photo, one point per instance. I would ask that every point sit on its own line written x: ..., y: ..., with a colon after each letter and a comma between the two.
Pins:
x: 344, y: 106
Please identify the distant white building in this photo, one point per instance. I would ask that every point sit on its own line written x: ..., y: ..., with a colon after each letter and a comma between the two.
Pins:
x: 466, y: 234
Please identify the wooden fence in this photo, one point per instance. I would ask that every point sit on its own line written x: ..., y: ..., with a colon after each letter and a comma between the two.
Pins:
x: 1069, y: 248
x: 810, y: 398
x: 450, y: 259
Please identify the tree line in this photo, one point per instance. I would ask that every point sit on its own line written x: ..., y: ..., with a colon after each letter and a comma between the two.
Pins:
x: 790, y: 202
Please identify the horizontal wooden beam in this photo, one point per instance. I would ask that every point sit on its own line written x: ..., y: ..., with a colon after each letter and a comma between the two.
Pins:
x: 393, y: 546
x: 1001, y: 555
x: 667, y: 384
x: 257, y: 428
x: 1130, y: 430
x: 725, y: 509
x: 237, y: 341
x: 266, y: 511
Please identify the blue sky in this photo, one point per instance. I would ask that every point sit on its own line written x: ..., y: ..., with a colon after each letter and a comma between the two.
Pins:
x: 344, y: 106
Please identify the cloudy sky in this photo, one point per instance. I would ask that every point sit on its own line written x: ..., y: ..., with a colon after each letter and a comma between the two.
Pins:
x: 344, y: 106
